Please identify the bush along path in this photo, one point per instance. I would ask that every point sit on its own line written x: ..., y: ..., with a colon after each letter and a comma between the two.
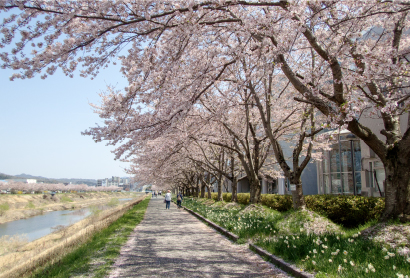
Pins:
x: 312, y: 242
x: 95, y: 258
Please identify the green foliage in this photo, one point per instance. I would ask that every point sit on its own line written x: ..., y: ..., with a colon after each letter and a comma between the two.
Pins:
x: 227, y: 197
x: 277, y: 202
x: 4, y: 207
x: 243, y: 198
x: 349, y: 211
x: 65, y: 199
x: 214, y: 196
x: 95, y: 210
x: 113, y: 202
x: 244, y: 223
x: 104, y: 247
x: 30, y: 205
x: 291, y: 235
x: 334, y: 255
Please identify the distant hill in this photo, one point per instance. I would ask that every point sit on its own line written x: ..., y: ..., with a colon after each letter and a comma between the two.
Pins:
x: 48, y: 180
x: 5, y: 177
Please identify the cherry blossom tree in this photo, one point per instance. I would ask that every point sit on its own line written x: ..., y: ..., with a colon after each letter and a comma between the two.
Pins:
x: 346, y: 58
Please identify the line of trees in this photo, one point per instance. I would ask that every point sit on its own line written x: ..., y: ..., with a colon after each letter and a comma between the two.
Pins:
x: 215, y: 86
x: 40, y: 187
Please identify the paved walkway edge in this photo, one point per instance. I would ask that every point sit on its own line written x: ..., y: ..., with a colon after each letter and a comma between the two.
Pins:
x: 224, y: 231
x: 262, y: 252
x: 279, y: 262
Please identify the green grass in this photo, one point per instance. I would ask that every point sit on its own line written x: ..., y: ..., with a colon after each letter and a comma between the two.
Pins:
x: 285, y: 235
x: 4, y: 207
x: 336, y: 256
x: 94, y: 258
x: 113, y: 202
x: 30, y: 205
x: 65, y: 199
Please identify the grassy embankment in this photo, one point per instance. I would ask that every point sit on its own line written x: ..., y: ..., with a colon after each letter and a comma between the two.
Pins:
x: 19, y: 257
x: 314, y: 243
x: 95, y: 257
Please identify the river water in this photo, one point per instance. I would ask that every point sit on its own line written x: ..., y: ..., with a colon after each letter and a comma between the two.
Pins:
x: 42, y: 225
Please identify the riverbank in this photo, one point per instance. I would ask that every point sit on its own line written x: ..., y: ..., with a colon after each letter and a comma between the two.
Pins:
x: 95, y: 258
x: 29, y: 256
x: 21, y: 206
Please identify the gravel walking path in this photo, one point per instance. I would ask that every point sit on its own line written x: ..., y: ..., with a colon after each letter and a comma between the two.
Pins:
x: 173, y: 243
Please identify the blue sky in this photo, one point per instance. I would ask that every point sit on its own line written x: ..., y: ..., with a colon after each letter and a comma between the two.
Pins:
x: 41, y: 123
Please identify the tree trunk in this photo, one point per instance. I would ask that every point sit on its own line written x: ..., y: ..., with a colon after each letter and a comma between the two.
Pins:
x: 209, y: 192
x: 397, y: 193
x: 196, y: 191
x: 202, y: 190
x: 255, y: 190
x: 297, y: 196
x: 220, y: 190
x: 234, y: 197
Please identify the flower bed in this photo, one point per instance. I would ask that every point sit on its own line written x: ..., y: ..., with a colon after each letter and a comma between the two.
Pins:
x: 308, y: 240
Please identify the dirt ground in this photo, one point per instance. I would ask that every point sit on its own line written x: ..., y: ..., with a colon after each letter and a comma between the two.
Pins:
x: 21, y: 206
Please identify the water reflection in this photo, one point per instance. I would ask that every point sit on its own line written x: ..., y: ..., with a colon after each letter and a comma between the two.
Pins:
x: 38, y: 226
x: 41, y: 225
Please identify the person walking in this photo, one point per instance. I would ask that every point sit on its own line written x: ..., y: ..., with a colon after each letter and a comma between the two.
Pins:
x: 179, y: 200
x: 168, y: 199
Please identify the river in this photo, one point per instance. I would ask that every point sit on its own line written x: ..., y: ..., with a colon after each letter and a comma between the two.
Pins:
x: 41, y: 225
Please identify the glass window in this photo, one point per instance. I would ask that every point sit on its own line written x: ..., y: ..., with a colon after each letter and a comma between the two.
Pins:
x: 378, y: 164
x: 326, y: 184
x: 357, y: 156
x: 336, y: 186
x: 347, y: 183
x: 346, y: 161
x: 334, y: 159
x: 371, y: 184
x: 380, y: 177
x: 339, y: 161
x: 358, y: 177
x: 325, y: 163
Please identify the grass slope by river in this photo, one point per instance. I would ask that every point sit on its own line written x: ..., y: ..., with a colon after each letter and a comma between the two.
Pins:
x: 25, y: 257
x: 95, y: 257
x: 20, y: 206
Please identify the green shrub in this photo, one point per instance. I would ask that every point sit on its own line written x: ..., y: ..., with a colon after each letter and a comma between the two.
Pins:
x: 4, y: 207
x: 277, y: 202
x: 227, y: 197
x: 30, y: 205
x: 113, y: 202
x: 243, y: 198
x: 349, y: 211
x: 95, y: 210
x: 65, y: 199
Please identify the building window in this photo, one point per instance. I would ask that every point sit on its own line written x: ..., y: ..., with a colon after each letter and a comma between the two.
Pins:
x: 337, y: 168
x: 376, y: 176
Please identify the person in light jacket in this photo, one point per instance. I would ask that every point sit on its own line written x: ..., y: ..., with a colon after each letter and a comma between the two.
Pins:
x: 168, y: 199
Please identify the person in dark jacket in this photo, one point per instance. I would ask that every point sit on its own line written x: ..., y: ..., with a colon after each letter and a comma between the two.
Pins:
x: 179, y: 200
